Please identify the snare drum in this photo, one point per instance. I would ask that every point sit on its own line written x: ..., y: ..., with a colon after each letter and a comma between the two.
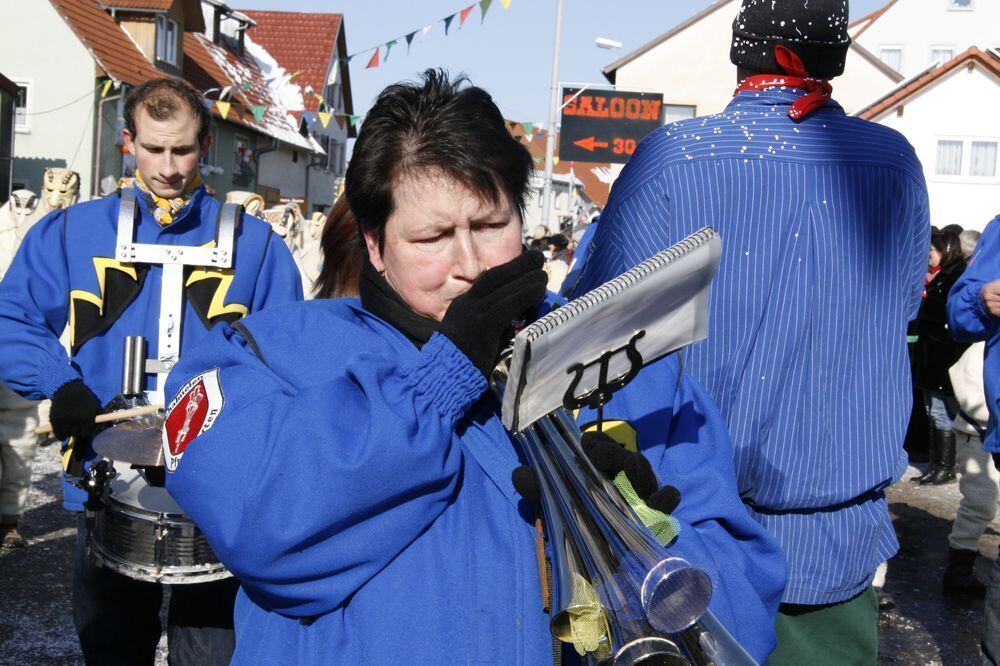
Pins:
x: 144, y: 534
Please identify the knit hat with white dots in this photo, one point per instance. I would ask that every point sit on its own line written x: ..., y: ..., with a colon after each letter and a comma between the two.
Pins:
x: 815, y: 30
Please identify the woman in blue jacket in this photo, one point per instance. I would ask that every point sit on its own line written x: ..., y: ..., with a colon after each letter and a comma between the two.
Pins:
x: 346, y: 459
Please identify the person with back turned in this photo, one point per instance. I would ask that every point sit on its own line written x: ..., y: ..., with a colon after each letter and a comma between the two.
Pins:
x: 825, y: 229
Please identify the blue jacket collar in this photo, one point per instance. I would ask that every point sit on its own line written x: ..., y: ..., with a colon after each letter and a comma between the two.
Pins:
x: 774, y: 99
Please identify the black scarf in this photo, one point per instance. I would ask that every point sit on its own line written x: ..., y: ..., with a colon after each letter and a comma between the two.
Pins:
x: 379, y: 298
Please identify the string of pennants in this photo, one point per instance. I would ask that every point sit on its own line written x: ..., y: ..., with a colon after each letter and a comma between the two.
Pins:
x: 380, y: 53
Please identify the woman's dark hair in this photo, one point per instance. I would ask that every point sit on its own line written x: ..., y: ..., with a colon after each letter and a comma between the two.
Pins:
x: 162, y: 99
x: 948, y: 244
x: 342, y: 246
x: 437, y: 126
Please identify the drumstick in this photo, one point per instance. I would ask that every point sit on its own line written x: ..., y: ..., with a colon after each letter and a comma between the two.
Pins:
x: 46, y: 428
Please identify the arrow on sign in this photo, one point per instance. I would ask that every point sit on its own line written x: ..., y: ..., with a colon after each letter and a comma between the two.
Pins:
x: 590, y: 143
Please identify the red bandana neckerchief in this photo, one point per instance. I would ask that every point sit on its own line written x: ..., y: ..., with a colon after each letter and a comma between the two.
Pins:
x: 818, y: 91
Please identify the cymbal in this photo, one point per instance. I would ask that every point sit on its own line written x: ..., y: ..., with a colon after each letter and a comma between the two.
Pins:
x: 135, y: 442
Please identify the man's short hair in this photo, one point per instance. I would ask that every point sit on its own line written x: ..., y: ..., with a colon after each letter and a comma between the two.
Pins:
x: 164, y: 98
x: 436, y: 126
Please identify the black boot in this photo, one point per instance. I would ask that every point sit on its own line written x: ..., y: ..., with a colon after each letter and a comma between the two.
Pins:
x: 945, y: 472
x: 959, y: 575
x: 932, y: 457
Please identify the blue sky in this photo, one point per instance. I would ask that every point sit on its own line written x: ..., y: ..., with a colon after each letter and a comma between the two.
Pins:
x: 510, y: 53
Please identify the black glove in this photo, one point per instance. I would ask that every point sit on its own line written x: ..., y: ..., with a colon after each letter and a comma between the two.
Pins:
x: 476, y: 321
x: 610, y: 457
x: 74, y: 407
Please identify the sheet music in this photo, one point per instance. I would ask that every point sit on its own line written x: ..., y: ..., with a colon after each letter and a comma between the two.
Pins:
x: 665, y: 296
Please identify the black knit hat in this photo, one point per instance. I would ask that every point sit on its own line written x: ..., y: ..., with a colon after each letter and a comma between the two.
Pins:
x: 815, y: 30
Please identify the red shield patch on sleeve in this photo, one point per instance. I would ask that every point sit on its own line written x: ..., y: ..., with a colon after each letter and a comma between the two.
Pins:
x: 192, y: 412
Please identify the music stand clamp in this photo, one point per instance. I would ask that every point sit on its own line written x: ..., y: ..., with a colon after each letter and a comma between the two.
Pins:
x: 601, y: 394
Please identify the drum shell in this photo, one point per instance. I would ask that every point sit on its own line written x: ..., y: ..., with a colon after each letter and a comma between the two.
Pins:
x: 158, y: 544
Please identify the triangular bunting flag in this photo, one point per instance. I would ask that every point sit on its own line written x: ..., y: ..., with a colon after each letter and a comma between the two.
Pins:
x: 223, y: 108
x: 347, y: 59
x: 409, y: 40
x: 506, y: 4
x: 528, y: 137
x: 246, y: 86
x: 374, y: 60
x: 225, y: 92
x: 354, y: 120
x: 107, y: 87
x: 528, y: 127
x: 294, y: 74
x: 324, y: 117
x: 464, y: 14
x: 424, y: 30
x: 258, y: 112
x: 447, y: 23
x: 555, y: 160
x: 309, y: 117
x: 484, y: 6
x: 388, y: 47
x: 538, y: 160
x: 208, y: 103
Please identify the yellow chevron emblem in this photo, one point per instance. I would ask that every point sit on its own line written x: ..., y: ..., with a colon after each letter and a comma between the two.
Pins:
x: 218, y: 305
x: 101, y: 266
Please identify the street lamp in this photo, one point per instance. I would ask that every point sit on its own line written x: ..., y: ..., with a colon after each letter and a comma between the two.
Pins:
x: 605, y: 43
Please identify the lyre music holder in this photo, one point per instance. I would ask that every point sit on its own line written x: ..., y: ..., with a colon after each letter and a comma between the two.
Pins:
x: 601, y: 394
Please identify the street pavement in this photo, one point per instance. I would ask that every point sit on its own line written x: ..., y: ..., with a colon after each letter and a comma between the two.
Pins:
x: 36, y: 624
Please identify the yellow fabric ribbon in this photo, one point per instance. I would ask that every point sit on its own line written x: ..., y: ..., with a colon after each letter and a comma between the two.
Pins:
x: 164, y: 210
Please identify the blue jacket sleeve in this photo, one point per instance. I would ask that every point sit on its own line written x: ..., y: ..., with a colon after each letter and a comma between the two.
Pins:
x: 279, y: 281
x: 684, y: 436
x: 968, y: 319
x: 307, y: 492
x: 34, y: 306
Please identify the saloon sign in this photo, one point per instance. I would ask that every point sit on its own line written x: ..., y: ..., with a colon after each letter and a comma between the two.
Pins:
x: 606, y: 125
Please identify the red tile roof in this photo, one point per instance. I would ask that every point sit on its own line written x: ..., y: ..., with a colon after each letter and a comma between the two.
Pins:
x: 595, y: 188
x: 894, y: 98
x: 112, y: 48
x: 300, y: 42
x: 158, y: 5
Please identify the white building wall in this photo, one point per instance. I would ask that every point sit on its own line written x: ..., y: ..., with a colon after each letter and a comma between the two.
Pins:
x: 278, y: 169
x: 944, y: 112
x: 919, y: 26
x: 61, y: 74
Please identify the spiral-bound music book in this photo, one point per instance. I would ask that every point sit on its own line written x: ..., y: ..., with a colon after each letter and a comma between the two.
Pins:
x: 643, y: 314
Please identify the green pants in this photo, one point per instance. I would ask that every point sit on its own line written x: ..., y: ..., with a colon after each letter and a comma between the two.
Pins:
x: 842, y: 634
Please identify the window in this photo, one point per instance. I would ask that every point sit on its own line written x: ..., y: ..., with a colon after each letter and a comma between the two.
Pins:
x: 21, y: 108
x: 166, y: 39
x: 949, y: 158
x: 942, y: 53
x: 674, y: 112
x: 959, y: 4
x: 983, y: 159
x: 892, y: 56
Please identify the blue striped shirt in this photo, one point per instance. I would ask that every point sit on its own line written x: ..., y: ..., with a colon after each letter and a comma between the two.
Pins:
x: 825, y: 230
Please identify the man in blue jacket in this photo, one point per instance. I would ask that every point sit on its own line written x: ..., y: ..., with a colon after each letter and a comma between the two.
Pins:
x: 973, y: 315
x: 824, y: 225
x: 66, y: 274
x: 362, y: 492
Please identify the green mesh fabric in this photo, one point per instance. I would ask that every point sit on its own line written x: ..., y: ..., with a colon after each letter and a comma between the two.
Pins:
x: 664, y: 527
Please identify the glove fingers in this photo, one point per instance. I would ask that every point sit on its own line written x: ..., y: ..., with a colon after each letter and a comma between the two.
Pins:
x: 641, y: 475
x: 522, y: 294
x: 500, y: 276
x: 666, y: 499
x: 607, y: 455
x: 526, y: 483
